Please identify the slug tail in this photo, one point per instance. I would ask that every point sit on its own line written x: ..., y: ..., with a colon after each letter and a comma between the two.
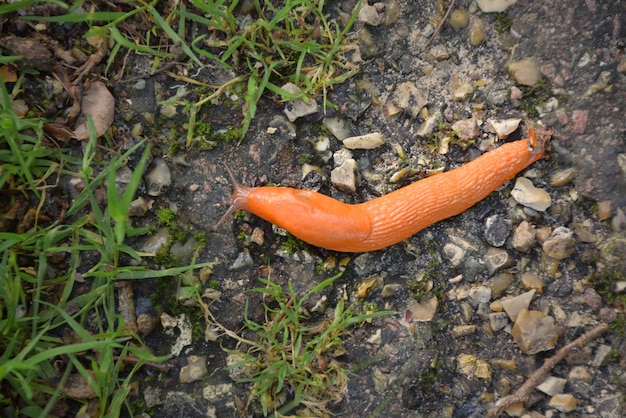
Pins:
x: 240, y: 198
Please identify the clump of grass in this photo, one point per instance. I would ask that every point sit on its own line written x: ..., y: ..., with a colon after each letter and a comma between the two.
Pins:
x: 295, y: 358
x: 50, y: 334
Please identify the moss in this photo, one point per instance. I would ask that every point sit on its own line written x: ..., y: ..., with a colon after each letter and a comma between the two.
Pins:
x: 503, y: 22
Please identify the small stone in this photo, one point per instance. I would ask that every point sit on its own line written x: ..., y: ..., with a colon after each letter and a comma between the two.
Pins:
x: 552, y: 385
x: 562, y: 177
x: 138, y: 207
x: 479, y: 294
x: 368, y: 141
x: 580, y: 118
x: 516, y: 93
x: 408, y: 97
x: 454, y: 253
x: 472, y: 367
x: 339, y: 127
x: 494, y: 6
x: 514, y: 306
x: 195, y: 369
x: 561, y: 243
x: 499, y: 283
x: 427, y: 128
x: 440, y: 52
x: 602, y: 353
x: 213, y: 393
x: 580, y: 374
x: 151, y: 397
x: 497, y: 230
x: 497, y: 258
x: 528, y: 195
x: 498, y: 320
x: 584, y: 231
x: 535, y: 332
x: 507, y: 364
x: 370, y: 16
x: 158, y: 178
x: 423, y: 311
x: 524, y: 237
x: 243, y: 260
x: 463, y: 330
x: 145, y: 324
x: 344, y: 176
x: 257, y: 236
x: 526, y: 72
x: 563, y: 402
x: 620, y: 286
x: 462, y: 92
x: 504, y: 127
x: 466, y: 129
x: 532, y: 281
x: 168, y: 111
x: 298, y: 108
x: 477, y: 34
x: 459, y: 18
x: 604, y: 210
x: 156, y: 241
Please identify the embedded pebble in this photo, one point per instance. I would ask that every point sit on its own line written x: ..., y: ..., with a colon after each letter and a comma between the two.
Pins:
x: 532, y: 281
x: 562, y: 177
x: 257, y: 236
x: 427, y: 128
x: 499, y: 283
x: 515, y: 305
x: 183, y: 252
x: 440, y: 52
x: 459, y: 18
x: 523, y: 237
x: 534, y: 332
x: 479, y: 294
x: 145, y: 324
x: 526, y: 72
x: 473, y: 367
x: 526, y: 194
x: 339, y: 127
x: 580, y: 374
x: 213, y: 393
x: 584, y: 231
x: 462, y: 92
x: 497, y: 230
x: 423, y: 311
x: 298, y: 108
x: 158, y: 178
x: 454, y: 253
x: 407, y: 97
x: 561, y: 243
x: 370, y: 16
x: 138, y: 207
x: 604, y: 210
x: 602, y: 353
x: 497, y: 258
x: 466, y: 128
x: 156, y: 241
x: 477, y: 34
x: 498, y: 320
x: 504, y: 127
x: 463, y: 330
x: 580, y: 118
x: 563, y: 402
x: 168, y: 111
x: 494, y: 6
x: 552, y: 385
x: 243, y: 260
x: 344, y: 176
x: 195, y: 369
x: 368, y: 141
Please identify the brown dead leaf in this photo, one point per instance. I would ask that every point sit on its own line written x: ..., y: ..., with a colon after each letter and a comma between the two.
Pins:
x: 98, y: 102
x: 9, y: 73
x: 76, y: 386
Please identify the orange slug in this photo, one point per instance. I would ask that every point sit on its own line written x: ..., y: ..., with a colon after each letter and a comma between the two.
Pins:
x: 328, y: 223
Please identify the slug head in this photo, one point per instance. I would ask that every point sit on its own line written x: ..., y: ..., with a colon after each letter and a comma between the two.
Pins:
x: 240, y: 198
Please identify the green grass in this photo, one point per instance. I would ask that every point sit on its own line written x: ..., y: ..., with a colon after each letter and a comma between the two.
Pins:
x: 39, y: 302
x: 293, y: 353
x: 293, y: 42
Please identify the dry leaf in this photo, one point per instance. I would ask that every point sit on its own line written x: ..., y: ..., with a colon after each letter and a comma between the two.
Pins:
x: 98, y: 102
x: 76, y: 386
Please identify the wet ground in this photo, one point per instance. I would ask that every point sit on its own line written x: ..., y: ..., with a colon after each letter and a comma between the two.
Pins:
x: 413, y: 368
x: 444, y: 280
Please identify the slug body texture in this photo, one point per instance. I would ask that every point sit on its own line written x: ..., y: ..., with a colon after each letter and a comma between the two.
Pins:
x: 328, y: 223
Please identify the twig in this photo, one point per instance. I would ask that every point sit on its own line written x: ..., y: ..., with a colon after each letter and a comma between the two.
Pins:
x: 440, y: 25
x: 540, y: 374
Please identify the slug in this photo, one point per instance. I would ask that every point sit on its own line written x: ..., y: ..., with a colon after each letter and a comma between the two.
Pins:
x: 328, y: 223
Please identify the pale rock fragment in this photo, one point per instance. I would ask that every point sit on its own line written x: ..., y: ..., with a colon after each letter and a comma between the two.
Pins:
x: 408, y: 97
x: 473, y: 367
x: 523, y: 237
x: 367, y: 141
x: 563, y: 402
x: 462, y: 92
x: 494, y: 6
x: 535, y: 332
x: 344, y: 177
x: 504, y: 127
x: 158, y: 178
x: 298, y: 108
x: 466, y: 129
x: 525, y: 72
x: 195, y: 369
x: 526, y: 194
x: 552, y: 385
x: 423, y: 311
x: 514, y: 306
x: 561, y: 243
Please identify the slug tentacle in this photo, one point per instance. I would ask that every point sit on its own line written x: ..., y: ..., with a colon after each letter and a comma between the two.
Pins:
x: 240, y: 198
